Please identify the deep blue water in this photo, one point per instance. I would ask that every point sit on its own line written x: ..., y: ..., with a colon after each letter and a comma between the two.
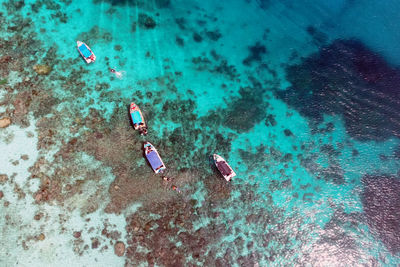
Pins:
x: 301, y: 98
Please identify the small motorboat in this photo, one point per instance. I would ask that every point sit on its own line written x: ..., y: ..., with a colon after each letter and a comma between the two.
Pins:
x: 223, y: 167
x: 137, y: 119
x: 85, y: 52
x: 153, y: 157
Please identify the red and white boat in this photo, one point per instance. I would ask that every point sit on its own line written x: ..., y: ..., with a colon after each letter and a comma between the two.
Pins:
x: 138, y: 119
x: 223, y: 167
x: 85, y: 52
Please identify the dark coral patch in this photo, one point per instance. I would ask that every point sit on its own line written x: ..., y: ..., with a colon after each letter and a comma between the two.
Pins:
x: 139, y: 3
x: 96, y: 33
x: 255, y: 160
x: 159, y: 236
x: 180, y: 143
x: 245, y: 112
x: 332, y: 173
x: 214, y: 35
x: 270, y: 120
x: 163, y: 3
x: 319, y: 38
x: 197, y: 37
x: 179, y: 41
x: 335, y: 238
x: 145, y: 21
x: 256, y: 52
x: 347, y: 79
x: 381, y: 203
x: 224, y: 68
x: 181, y: 23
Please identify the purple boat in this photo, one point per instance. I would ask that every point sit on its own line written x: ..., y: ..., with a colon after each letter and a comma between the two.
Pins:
x: 153, y: 157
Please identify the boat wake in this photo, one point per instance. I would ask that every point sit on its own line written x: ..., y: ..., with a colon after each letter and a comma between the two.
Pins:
x: 118, y: 74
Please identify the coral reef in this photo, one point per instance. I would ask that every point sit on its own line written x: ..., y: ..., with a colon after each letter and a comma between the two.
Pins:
x: 96, y: 33
x: 119, y: 249
x: 138, y: 3
x: 181, y: 22
x: 333, y: 173
x: 171, y: 228
x: 5, y: 122
x: 145, y: 21
x: 339, y: 239
x: 319, y: 38
x: 179, y: 41
x: 214, y: 35
x: 346, y: 78
x: 197, y: 37
x: 244, y: 112
x: 256, y: 160
x: 163, y: 3
x: 256, y: 52
x: 159, y: 236
x: 381, y: 200
x: 42, y: 69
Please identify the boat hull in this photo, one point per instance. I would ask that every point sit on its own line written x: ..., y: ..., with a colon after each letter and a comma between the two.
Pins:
x: 153, y: 158
x: 85, y: 52
x: 223, y: 167
x: 136, y: 116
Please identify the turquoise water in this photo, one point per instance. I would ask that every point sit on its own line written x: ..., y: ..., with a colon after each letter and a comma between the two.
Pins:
x: 300, y: 98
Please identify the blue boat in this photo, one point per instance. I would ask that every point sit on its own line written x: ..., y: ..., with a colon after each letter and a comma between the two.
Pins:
x: 154, y: 158
x: 137, y: 119
x: 85, y: 52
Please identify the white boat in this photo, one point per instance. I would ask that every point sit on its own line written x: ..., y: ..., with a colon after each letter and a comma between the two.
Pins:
x: 224, y: 167
x: 85, y: 52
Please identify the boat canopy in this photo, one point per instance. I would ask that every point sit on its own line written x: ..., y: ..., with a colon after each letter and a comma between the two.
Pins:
x: 85, y: 51
x: 136, y: 118
x: 154, y: 160
x: 224, y: 168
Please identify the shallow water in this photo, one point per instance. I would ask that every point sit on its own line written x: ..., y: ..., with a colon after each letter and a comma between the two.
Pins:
x: 300, y: 98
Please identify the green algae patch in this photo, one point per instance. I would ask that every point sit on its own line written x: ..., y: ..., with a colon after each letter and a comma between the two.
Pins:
x: 3, y: 81
x: 42, y: 69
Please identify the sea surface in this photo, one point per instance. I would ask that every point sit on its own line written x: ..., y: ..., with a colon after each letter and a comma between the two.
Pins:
x: 300, y: 97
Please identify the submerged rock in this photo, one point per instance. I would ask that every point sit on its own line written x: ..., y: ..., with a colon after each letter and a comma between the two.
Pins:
x: 95, y: 243
x: 119, y: 249
x: 77, y: 234
x: 5, y: 59
x: 5, y: 122
x: 41, y: 237
x: 3, y: 178
x: 42, y: 69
